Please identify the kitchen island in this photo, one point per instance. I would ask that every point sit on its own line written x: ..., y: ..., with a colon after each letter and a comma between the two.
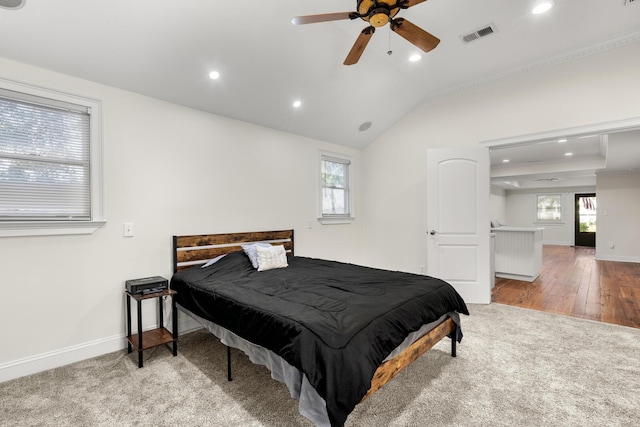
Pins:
x: 518, y: 252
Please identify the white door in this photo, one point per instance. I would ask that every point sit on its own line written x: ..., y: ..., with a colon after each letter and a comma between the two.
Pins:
x: 458, y: 222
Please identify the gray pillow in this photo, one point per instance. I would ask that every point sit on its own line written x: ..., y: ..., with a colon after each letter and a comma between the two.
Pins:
x: 252, y: 252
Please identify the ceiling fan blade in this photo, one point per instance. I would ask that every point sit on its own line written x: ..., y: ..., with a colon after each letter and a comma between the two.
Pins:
x: 358, y: 47
x: 413, y: 3
x: 312, y: 19
x: 415, y: 34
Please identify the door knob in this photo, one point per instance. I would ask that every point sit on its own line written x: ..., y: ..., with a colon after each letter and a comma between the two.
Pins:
x: 433, y: 232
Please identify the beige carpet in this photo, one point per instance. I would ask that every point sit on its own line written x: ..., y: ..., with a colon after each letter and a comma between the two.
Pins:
x: 515, y: 367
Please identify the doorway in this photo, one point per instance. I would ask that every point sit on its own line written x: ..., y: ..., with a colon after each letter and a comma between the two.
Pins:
x: 585, y: 220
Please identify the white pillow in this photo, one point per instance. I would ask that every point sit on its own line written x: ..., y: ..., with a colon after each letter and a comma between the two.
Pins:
x: 271, y: 257
x: 250, y: 250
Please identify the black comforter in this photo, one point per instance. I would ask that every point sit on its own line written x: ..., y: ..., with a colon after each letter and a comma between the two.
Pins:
x: 335, y: 322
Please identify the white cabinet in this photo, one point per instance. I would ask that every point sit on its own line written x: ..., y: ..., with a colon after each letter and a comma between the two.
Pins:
x: 518, y: 252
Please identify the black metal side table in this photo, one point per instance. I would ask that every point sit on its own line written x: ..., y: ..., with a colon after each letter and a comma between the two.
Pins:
x: 154, y: 337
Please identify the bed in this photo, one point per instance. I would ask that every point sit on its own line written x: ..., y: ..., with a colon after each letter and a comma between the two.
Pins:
x: 333, y: 332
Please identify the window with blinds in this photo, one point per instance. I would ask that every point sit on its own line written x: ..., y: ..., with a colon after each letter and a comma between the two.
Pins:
x: 549, y: 208
x: 45, y: 167
x: 335, y: 187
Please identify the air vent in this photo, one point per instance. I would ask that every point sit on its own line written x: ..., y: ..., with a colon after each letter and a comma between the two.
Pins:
x: 479, y: 33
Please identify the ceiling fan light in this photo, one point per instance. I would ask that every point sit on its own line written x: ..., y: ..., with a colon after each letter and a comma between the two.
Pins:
x: 379, y: 19
x: 415, y: 58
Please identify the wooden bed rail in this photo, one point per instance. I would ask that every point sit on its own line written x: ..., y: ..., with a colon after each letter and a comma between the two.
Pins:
x: 394, y: 366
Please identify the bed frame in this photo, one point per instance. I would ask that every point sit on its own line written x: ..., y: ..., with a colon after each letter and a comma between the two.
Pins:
x: 194, y: 250
x: 197, y: 250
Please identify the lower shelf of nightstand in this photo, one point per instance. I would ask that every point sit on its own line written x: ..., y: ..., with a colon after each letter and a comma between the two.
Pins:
x: 152, y: 338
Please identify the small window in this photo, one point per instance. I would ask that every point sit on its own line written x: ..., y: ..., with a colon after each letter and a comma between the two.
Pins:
x: 549, y: 208
x: 335, y: 189
x: 50, y: 164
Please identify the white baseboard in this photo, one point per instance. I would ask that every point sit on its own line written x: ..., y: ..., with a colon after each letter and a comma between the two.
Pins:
x: 56, y: 358
x: 617, y: 258
x: 558, y: 243
x: 517, y: 277
x: 187, y: 324
x: 65, y: 356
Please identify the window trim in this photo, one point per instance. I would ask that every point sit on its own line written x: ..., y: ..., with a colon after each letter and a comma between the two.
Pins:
x: 97, y: 220
x: 336, y: 219
x: 549, y: 221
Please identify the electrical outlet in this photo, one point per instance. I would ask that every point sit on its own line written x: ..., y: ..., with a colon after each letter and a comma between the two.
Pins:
x: 128, y: 229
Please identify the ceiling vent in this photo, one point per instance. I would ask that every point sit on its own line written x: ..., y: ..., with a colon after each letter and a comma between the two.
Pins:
x: 480, y: 33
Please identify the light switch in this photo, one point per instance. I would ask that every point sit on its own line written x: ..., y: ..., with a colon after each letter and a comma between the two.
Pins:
x: 128, y: 229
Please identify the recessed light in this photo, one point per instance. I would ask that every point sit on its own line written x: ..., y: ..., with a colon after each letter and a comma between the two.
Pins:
x: 12, y: 4
x: 568, y: 154
x: 542, y: 7
x: 364, y: 126
x: 505, y: 160
x: 562, y: 140
x: 297, y: 104
x: 415, y: 58
x: 214, y: 75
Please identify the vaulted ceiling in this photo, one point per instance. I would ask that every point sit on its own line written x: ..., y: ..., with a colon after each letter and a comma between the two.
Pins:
x: 166, y: 49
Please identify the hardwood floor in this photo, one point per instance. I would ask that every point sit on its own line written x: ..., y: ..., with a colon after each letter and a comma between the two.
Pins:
x: 573, y: 283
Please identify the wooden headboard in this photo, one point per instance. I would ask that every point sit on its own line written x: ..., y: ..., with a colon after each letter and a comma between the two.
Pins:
x: 195, y: 250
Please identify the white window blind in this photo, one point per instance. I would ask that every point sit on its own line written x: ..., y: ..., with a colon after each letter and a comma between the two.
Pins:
x: 44, y: 159
x: 335, y: 187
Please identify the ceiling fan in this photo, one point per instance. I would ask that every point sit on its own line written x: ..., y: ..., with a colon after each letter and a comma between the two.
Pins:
x: 377, y: 13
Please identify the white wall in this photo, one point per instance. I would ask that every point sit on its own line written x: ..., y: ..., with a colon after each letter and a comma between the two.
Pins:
x: 498, y: 205
x: 169, y: 170
x: 599, y: 88
x: 618, y: 196
x: 172, y: 170
x: 521, y: 212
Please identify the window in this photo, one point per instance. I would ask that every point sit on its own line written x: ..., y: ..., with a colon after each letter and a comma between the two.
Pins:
x: 586, y: 213
x: 50, y: 162
x: 335, y: 189
x: 549, y: 208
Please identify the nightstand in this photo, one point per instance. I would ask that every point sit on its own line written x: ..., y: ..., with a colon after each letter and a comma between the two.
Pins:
x: 154, y: 337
